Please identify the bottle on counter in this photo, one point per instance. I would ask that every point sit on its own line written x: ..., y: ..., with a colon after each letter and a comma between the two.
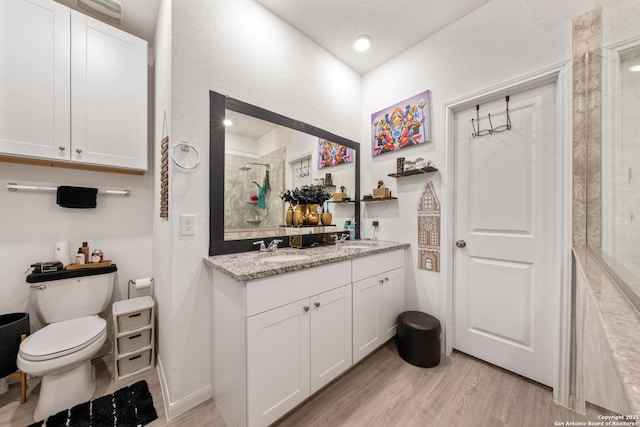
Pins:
x: 80, y: 259
x: 85, y: 252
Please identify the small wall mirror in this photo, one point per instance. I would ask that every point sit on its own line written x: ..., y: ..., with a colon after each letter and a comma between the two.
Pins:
x: 255, y: 157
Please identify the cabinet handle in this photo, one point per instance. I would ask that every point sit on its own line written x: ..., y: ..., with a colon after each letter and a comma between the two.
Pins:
x: 61, y: 147
x: 381, y: 281
x: 317, y: 304
x: 386, y: 279
x: 135, y: 336
x: 78, y: 150
x: 305, y: 308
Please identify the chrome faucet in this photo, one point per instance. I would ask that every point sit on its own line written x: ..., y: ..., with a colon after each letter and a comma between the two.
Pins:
x: 263, y: 248
x: 343, y: 238
x: 273, y: 245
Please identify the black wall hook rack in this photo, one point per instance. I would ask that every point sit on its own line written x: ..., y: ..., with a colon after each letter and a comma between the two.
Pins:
x: 491, y: 130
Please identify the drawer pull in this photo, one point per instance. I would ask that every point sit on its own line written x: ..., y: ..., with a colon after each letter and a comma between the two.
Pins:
x: 134, y: 315
x: 381, y: 281
x: 305, y: 308
x: 135, y: 357
x: 317, y: 304
x: 61, y: 147
x: 135, y: 336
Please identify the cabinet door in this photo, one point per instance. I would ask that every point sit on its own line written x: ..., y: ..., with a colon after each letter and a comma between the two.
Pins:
x: 108, y: 95
x: 34, y: 79
x: 367, y: 316
x: 277, y: 362
x: 392, y: 300
x: 331, y: 344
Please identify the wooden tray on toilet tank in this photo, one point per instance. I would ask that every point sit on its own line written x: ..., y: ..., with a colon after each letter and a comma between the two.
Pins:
x: 100, y: 264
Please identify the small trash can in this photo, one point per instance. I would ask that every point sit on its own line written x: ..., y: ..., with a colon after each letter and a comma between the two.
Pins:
x: 12, y: 326
x: 419, y: 338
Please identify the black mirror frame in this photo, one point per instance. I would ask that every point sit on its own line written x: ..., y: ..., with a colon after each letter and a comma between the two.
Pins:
x: 218, y: 103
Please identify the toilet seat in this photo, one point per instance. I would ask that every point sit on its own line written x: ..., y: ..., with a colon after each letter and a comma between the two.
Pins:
x: 62, y: 338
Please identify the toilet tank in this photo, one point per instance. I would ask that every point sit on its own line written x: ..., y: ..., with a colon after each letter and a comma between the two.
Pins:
x: 73, y: 297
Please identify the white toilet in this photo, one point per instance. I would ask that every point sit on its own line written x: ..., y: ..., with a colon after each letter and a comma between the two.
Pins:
x: 61, y: 352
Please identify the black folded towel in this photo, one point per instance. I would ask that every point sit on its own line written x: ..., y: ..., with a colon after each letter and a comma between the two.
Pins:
x: 76, y: 197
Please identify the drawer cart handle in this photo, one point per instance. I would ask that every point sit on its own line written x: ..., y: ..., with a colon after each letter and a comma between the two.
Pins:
x: 134, y: 315
x: 135, y: 357
x: 135, y: 336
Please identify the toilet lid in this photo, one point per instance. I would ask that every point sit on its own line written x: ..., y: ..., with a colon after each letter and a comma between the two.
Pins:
x: 61, y: 338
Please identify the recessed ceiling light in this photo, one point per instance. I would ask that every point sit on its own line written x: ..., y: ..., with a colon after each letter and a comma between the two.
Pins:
x: 227, y: 122
x: 362, y: 43
x: 635, y: 68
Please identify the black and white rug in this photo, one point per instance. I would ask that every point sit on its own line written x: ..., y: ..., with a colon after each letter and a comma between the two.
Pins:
x: 130, y: 406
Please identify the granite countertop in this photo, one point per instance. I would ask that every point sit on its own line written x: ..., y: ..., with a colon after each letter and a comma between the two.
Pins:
x: 247, y: 266
x: 621, y: 324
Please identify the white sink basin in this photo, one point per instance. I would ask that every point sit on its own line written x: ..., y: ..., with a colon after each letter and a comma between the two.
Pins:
x: 284, y: 258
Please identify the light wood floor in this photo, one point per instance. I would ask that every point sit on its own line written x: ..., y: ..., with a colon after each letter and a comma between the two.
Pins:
x: 382, y: 391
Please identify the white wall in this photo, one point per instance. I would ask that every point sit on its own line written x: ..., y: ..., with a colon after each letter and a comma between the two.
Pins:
x: 240, y: 49
x: 30, y: 222
x: 501, y: 41
x: 162, y: 237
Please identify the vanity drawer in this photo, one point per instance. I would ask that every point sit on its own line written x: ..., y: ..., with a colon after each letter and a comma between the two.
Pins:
x: 276, y: 291
x: 373, y: 265
x: 134, y: 342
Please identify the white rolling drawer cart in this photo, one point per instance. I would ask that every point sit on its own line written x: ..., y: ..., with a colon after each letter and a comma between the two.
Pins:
x: 133, y: 344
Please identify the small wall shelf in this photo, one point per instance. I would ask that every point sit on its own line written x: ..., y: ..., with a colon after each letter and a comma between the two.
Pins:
x: 428, y: 169
x: 386, y: 199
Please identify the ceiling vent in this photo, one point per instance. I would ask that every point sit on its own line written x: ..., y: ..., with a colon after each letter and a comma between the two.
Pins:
x: 109, y: 11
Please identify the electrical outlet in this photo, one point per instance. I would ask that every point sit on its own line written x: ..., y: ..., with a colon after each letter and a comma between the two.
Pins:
x: 187, y: 224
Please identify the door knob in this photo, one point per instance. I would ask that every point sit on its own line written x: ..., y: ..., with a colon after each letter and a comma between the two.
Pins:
x: 461, y: 243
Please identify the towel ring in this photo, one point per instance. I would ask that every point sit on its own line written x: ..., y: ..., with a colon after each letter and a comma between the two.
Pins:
x: 186, y: 147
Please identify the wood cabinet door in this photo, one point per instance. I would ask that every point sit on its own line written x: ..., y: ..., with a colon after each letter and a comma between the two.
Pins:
x: 108, y: 95
x: 277, y: 362
x: 392, y: 300
x: 367, y: 316
x: 34, y: 79
x: 331, y: 344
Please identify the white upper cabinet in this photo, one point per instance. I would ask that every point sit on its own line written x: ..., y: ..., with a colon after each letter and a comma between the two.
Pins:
x: 75, y: 88
x: 34, y: 79
x: 108, y: 95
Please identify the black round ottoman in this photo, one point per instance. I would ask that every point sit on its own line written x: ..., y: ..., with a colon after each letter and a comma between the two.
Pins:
x: 419, y: 338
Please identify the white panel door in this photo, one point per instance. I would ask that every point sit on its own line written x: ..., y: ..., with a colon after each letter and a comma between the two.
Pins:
x: 109, y: 95
x: 34, y: 79
x: 367, y: 317
x: 392, y: 301
x: 505, y: 213
x: 330, y: 336
x: 277, y: 362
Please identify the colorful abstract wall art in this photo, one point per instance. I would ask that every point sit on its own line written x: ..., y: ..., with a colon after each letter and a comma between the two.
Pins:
x: 331, y: 154
x: 405, y: 124
x: 429, y: 229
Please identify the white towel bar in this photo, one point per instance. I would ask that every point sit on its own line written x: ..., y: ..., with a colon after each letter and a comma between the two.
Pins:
x: 15, y: 187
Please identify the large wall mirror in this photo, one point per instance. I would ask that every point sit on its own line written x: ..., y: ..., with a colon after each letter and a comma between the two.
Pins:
x: 255, y: 156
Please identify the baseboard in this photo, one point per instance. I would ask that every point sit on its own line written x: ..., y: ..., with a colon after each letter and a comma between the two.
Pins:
x: 179, y: 407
